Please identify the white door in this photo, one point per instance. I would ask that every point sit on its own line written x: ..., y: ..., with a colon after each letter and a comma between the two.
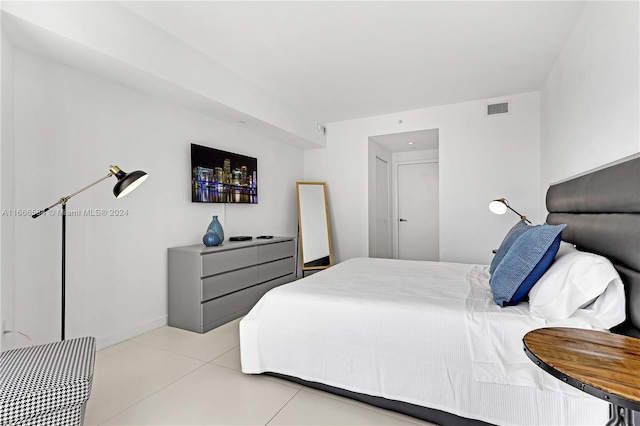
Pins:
x: 418, y: 211
x: 382, y: 240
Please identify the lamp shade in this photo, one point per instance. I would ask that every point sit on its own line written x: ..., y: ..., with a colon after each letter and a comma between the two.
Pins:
x: 498, y: 206
x: 127, y: 182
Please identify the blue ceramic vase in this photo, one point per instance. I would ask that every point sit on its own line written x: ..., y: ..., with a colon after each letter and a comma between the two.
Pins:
x: 214, y: 235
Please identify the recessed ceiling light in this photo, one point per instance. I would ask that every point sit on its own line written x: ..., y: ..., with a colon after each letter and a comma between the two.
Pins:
x: 410, y: 143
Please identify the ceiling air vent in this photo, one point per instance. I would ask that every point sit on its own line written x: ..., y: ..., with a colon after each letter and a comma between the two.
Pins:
x: 497, y: 109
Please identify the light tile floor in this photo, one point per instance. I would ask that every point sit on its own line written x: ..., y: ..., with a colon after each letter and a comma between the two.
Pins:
x: 171, y: 376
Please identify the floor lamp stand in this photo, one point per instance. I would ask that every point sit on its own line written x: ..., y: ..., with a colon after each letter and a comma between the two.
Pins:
x: 126, y: 183
x: 64, y: 267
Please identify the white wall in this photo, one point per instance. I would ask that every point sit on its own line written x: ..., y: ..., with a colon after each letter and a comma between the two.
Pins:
x: 590, y: 99
x: 69, y: 128
x: 480, y: 159
x: 7, y: 191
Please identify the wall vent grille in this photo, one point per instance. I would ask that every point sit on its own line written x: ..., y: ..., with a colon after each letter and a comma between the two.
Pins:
x: 495, y: 109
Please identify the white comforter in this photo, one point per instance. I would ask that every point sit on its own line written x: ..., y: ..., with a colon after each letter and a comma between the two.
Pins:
x: 399, y: 330
x: 495, y: 334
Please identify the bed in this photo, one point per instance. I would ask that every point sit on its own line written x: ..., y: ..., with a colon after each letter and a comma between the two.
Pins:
x: 427, y: 338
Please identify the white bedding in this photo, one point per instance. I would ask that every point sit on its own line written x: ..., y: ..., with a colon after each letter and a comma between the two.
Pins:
x: 398, y: 329
x: 495, y: 334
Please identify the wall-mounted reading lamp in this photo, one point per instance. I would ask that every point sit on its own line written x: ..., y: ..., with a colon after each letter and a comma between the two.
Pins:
x: 501, y: 205
x: 127, y: 182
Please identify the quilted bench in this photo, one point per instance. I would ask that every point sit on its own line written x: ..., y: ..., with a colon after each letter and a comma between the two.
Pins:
x: 46, y: 384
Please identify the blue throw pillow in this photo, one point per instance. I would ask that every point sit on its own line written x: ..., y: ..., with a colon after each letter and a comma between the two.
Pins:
x: 524, y: 263
x: 514, y: 233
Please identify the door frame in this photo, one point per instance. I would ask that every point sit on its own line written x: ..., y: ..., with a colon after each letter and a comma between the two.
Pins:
x: 389, y: 207
x: 394, y: 190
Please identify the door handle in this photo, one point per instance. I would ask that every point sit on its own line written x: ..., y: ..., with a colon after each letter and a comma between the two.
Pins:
x: 403, y: 220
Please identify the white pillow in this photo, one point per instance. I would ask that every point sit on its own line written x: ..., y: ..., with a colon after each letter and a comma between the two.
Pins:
x: 574, y: 280
x: 565, y: 248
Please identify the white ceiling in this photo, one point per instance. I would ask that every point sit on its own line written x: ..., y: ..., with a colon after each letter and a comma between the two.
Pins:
x: 345, y: 60
x: 419, y: 140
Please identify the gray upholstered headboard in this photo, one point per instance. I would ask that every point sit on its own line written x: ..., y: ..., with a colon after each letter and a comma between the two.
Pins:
x: 602, y: 211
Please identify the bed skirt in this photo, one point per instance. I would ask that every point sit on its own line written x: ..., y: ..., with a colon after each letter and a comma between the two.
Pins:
x: 432, y: 415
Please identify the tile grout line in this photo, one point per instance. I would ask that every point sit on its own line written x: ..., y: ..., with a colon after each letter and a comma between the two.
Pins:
x: 222, y: 354
x: 153, y: 393
x: 148, y: 345
x: 282, y: 408
x: 187, y: 356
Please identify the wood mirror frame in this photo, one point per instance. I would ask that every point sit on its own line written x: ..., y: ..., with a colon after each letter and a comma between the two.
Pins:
x: 313, y: 224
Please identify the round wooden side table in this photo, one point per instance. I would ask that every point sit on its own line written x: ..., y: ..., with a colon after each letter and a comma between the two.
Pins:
x: 599, y: 363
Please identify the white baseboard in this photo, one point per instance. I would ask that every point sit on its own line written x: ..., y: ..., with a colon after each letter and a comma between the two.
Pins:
x: 106, y: 341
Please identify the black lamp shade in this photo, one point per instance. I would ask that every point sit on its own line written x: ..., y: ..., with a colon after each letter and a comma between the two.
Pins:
x: 127, y: 182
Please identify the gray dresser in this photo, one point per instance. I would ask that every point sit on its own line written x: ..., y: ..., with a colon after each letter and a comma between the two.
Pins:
x: 209, y: 286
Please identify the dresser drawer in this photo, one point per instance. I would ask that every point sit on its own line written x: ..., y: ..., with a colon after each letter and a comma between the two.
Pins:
x: 279, y: 268
x: 275, y: 251
x: 265, y: 287
x: 225, y: 306
x: 223, y: 261
x: 221, y: 284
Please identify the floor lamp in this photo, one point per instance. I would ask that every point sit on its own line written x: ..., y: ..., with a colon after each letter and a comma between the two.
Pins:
x: 127, y: 182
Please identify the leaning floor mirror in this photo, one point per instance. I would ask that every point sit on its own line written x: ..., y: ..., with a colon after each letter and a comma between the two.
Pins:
x: 313, y: 222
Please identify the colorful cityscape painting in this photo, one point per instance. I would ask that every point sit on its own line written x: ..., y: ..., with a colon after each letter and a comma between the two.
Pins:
x: 222, y: 177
